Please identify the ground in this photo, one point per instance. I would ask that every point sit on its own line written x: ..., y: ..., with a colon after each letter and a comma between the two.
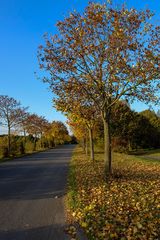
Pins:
x: 125, y: 206
x: 32, y: 191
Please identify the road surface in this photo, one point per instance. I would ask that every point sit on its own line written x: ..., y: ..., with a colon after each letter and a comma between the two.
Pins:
x: 32, y: 192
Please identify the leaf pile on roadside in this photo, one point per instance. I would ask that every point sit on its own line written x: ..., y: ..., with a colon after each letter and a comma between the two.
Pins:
x: 126, y: 207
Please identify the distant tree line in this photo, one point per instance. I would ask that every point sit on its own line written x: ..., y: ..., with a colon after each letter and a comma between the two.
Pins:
x: 130, y: 130
x: 27, y: 132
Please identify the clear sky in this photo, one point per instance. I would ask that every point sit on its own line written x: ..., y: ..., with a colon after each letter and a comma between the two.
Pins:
x: 22, y: 25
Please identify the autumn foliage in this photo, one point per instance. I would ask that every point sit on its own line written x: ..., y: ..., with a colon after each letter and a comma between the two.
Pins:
x: 27, y: 132
x: 102, y: 56
x: 125, y: 208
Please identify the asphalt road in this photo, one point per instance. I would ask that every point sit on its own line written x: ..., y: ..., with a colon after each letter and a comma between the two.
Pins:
x: 32, y: 192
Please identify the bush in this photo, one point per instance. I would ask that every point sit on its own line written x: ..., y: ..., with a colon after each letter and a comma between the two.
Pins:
x: 3, y: 146
x: 119, y: 145
x: 4, y: 152
x: 29, y: 146
x: 21, y: 148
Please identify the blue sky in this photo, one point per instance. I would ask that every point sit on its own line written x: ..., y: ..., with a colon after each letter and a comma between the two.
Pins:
x: 22, y: 25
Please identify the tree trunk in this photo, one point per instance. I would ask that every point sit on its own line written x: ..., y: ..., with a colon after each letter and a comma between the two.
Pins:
x: 35, y: 142
x: 107, y: 147
x: 41, y: 140
x: 83, y: 144
x: 24, y: 132
x: 34, y: 148
x: 9, y: 140
x: 91, y: 143
x: 54, y: 142
x: 86, y: 147
x: 129, y: 145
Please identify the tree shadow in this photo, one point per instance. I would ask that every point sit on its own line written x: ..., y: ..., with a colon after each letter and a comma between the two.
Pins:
x: 36, y: 177
x: 51, y: 232
x: 130, y: 175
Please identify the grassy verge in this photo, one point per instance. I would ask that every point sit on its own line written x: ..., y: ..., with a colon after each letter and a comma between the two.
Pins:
x: 126, y: 207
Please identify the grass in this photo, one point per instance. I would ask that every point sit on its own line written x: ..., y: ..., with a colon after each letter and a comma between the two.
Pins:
x: 154, y: 154
x: 145, y: 152
x: 124, y: 208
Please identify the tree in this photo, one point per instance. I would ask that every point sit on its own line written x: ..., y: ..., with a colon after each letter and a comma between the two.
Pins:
x: 78, y: 128
x: 36, y: 126
x: 154, y: 130
x: 80, y: 111
x: 11, y: 114
x: 58, y: 132
x: 153, y: 118
x: 107, y: 54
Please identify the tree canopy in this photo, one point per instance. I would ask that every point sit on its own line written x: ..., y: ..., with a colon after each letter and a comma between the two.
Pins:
x: 105, y: 54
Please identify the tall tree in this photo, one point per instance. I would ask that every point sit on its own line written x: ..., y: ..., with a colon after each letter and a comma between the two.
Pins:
x: 36, y: 126
x: 58, y: 132
x: 79, y: 110
x: 107, y: 54
x: 78, y: 128
x: 11, y: 114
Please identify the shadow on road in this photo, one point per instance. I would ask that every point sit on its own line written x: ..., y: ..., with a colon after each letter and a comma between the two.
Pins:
x: 51, y: 232
x: 38, y: 176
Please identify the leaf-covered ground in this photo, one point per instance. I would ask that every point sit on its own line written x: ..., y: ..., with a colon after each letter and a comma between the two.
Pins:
x: 126, y: 207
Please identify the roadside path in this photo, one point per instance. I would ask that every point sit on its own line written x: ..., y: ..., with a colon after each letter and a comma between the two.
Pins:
x: 150, y: 157
x: 32, y: 192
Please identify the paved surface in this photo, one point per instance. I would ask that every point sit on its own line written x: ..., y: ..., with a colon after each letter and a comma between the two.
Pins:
x: 150, y: 157
x: 153, y: 157
x: 32, y: 192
